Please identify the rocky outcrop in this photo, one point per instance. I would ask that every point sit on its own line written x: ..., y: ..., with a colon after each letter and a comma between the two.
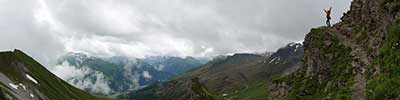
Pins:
x: 279, y: 91
x: 339, y: 60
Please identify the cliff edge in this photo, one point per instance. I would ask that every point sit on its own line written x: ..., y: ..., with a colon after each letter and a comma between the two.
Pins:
x: 358, y: 58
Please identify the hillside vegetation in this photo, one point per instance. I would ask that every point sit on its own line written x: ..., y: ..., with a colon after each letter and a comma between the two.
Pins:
x: 356, y: 59
x: 22, y: 78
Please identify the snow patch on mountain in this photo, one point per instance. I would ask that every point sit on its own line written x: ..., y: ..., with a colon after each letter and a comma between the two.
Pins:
x: 13, y: 85
x: 32, y: 79
x: 22, y: 85
x: 146, y: 74
x: 272, y: 60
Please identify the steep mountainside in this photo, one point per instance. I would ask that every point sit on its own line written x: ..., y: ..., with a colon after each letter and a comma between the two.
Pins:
x: 110, y: 75
x: 239, y: 77
x: 22, y: 78
x: 357, y: 58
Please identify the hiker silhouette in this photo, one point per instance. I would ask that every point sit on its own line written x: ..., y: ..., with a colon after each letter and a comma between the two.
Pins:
x: 328, y: 16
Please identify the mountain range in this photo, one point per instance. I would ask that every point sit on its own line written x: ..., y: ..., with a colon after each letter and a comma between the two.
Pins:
x: 357, y: 58
x: 112, y: 75
x: 240, y: 77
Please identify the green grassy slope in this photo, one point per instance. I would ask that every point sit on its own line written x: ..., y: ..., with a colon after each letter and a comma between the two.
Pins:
x: 337, y: 86
x: 255, y: 91
x: 202, y: 92
x: 358, y: 58
x: 15, y: 65
x: 237, y: 77
x: 386, y: 84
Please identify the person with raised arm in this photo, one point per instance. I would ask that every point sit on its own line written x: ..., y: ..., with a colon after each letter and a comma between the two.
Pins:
x: 328, y: 16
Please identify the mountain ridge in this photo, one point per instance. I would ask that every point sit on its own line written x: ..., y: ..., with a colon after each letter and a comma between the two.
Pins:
x: 25, y: 79
x: 238, y: 76
x: 346, y: 61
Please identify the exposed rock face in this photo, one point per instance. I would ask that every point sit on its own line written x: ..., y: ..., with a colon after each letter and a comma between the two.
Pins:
x: 279, y: 91
x: 338, y: 61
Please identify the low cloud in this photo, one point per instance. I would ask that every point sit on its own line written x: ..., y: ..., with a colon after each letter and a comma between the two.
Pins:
x: 46, y: 29
x: 160, y: 67
x: 83, y: 78
x: 146, y: 74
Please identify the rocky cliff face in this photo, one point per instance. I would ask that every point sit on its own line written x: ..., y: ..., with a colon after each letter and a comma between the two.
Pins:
x: 355, y: 59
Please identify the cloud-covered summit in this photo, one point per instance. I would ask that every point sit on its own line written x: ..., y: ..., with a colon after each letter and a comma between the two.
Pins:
x: 139, y: 28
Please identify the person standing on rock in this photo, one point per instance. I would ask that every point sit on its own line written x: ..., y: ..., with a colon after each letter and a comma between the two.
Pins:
x: 328, y: 16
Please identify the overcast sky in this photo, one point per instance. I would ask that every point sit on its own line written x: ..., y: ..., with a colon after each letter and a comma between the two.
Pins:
x: 46, y: 29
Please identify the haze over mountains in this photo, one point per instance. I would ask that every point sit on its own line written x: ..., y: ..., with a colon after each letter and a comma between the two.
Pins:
x: 47, y: 29
x: 122, y: 76
x: 110, y: 75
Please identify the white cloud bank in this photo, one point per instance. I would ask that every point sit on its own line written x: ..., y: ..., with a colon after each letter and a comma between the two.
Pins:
x: 47, y: 28
x: 146, y: 74
x: 83, y: 78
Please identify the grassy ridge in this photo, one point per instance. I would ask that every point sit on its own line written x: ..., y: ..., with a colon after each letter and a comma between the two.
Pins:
x: 202, y: 92
x: 337, y: 85
x: 255, y: 91
x: 386, y: 85
x: 392, y: 6
x: 49, y: 84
